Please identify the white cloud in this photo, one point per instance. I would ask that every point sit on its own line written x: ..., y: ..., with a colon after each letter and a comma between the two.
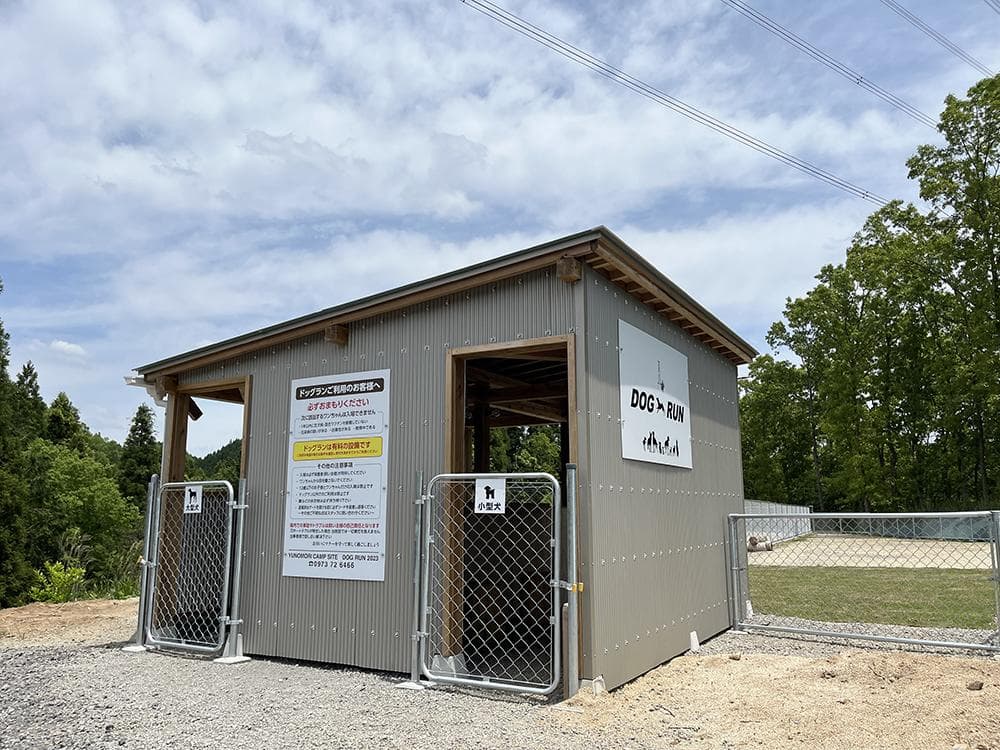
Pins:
x: 68, y: 349
x: 179, y: 172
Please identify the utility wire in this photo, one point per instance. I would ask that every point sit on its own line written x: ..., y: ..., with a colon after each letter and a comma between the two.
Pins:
x: 995, y: 4
x: 833, y: 64
x: 938, y: 37
x: 577, y: 55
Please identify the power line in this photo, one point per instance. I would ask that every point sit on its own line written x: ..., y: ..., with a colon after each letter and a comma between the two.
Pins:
x: 938, y: 37
x: 995, y: 4
x: 577, y: 55
x: 833, y: 64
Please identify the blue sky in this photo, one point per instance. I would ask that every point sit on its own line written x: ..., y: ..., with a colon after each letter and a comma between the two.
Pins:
x: 167, y: 170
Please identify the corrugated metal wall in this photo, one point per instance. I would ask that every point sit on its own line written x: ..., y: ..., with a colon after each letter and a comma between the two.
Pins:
x: 654, y: 560
x: 359, y: 622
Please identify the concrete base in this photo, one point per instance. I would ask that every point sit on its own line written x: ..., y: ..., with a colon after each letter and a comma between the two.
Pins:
x: 233, y: 653
x: 595, y: 686
x: 134, y: 648
x: 694, y: 642
x: 410, y: 685
x: 231, y: 659
x: 452, y: 666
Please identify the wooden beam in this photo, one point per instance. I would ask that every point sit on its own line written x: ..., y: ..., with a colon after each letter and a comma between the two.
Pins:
x: 569, y: 269
x: 533, y: 409
x: 165, y: 385
x: 527, y: 392
x: 336, y: 334
x: 639, y: 277
x: 510, y: 419
x: 492, y: 379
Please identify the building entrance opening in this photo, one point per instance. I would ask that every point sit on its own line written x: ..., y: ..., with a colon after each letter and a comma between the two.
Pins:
x: 194, y: 532
x: 494, y: 521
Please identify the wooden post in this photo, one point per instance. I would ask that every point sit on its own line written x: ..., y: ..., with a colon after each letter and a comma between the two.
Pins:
x: 453, y: 512
x: 481, y: 430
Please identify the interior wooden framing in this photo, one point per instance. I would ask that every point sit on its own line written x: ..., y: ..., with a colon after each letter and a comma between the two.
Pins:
x: 503, y: 400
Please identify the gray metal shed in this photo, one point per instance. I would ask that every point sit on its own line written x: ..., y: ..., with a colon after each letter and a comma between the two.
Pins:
x: 531, y: 337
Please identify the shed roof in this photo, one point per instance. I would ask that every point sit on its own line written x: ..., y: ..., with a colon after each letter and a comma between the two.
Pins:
x: 599, y: 248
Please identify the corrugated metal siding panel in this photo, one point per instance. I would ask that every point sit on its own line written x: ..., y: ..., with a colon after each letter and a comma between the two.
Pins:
x: 361, y: 623
x: 657, y: 568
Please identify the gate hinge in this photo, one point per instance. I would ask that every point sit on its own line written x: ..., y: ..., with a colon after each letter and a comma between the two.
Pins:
x: 229, y: 621
x: 421, y: 499
x: 418, y: 636
x: 241, y: 507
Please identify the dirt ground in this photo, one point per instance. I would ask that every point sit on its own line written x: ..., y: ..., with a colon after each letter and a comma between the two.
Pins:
x: 93, y: 621
x: 857, y: 699
x: 826, y: 550
x: 853, y: 699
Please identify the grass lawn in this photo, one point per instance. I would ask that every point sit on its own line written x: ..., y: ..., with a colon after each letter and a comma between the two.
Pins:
x: 933, y: 598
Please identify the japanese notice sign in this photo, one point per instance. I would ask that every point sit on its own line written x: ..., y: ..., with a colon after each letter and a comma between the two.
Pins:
x: 192, y: 498
x: 656, y: 418
x: 491, y: 495
x: 336, y: 494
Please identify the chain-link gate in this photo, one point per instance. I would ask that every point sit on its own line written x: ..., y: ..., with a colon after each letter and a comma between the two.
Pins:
x: 190, y: 563
x: 490, y: 588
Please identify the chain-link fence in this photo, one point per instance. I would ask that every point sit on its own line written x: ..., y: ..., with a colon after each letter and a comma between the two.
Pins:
x: 489, y: 591
x: 789, y: 529
x: 191, y: 567
x: 872, y: 576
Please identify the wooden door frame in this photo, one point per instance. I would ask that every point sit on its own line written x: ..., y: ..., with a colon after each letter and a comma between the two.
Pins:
x: 179, y: 406
x: 454, y: 403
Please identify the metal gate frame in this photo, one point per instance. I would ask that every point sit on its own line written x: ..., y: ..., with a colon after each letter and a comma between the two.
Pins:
x: 228, y: 610
x: 425, y: 533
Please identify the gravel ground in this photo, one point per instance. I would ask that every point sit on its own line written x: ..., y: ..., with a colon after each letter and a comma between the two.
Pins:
x: 741, y: 691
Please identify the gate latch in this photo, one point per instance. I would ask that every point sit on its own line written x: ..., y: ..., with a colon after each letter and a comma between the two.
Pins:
x: 576, y: 587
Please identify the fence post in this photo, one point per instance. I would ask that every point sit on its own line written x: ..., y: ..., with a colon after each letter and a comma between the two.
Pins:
x: 232, y: 652
x: 139, y: 639
x: 573, y: 631
x: 734, y: 566
x: 418, y: 526
x: 995, y: 544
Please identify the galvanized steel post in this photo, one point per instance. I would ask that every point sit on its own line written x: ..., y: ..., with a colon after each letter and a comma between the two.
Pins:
x: 233, y: 649
x: 151, y: 559
x: 995, y: 533
x: 140, y: 631
x: 573, y: 629
x: 418, y: 527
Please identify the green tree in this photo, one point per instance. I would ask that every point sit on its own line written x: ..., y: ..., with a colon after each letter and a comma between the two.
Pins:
x: 63, y: 425
x: 778, y: 435
x: 896, y: 348
x: 74, y: 490
x: 27, y: 404
x: 15, y: 572
x: 140, y: 457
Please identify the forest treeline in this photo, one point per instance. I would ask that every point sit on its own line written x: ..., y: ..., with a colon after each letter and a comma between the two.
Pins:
x: 883, y: 389
x: 71, y: 501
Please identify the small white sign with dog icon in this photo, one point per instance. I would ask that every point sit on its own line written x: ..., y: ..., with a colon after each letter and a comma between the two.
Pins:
x: 491, y: 495
x: 192, y: 498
